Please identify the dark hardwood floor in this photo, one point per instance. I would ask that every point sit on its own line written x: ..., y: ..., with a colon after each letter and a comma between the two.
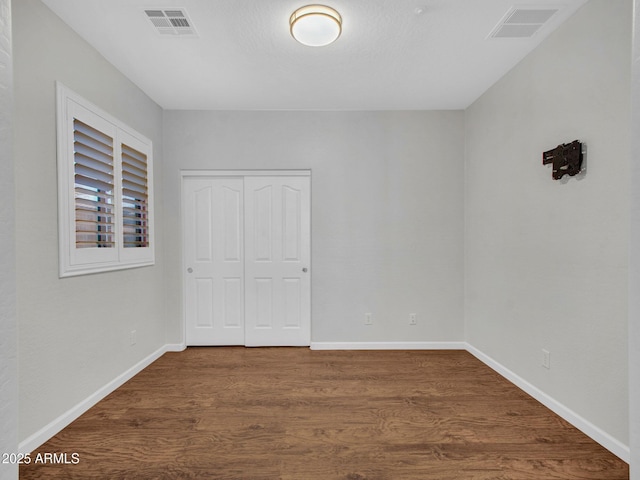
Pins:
x: 293, y: 413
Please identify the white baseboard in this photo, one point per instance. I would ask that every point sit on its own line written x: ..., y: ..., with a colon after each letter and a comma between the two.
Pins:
x: 41, y: 436
x: 175, y: 347
x: 388, y: 346
x: 607, y: 441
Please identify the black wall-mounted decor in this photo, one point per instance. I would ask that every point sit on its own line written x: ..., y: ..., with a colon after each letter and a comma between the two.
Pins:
x: 566, y: 159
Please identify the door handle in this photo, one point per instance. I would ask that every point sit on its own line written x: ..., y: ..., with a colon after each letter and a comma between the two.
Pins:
x: 190, y: 270
x: 305, y: 269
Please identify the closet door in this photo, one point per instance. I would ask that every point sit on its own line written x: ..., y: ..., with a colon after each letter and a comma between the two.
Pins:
x: 214, y: 260
x: 277, y: 261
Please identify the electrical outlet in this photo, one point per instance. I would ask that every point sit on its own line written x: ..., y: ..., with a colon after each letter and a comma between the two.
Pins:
x: 133, y: 337
x: 546, y: 358
x: 413, y: 319
x: 367, y: 319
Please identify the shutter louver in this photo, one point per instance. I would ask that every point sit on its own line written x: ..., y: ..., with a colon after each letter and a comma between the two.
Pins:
x: 94, y: 180
x: 135, y: 197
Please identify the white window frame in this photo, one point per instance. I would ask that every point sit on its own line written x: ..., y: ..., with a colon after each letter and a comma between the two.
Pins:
x: 80, y: 261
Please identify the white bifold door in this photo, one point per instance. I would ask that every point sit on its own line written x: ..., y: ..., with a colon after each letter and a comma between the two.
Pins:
x: 247, y: 252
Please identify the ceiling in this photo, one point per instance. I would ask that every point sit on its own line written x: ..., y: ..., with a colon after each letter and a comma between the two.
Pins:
x: 392, y: 54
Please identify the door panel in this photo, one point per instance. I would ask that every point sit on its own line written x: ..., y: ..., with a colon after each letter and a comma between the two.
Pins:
x: 277, y: 256
x: 262, y: 221
x: 233, y: 302
x: 202, y: 206
x: 204, y: 302
x: 292, y: 294
x: 263, y: 297
x: 214, y: 257
x: 232, y: 204
x: 291, y: 228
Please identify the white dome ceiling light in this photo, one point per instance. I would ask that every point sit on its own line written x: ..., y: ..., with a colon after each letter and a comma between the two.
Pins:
x: 315, y: 25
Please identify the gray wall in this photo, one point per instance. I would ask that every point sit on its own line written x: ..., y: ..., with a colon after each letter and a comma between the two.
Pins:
x: 634, y: 256
x: 387, y: 218
x: 546, y: 261
x: 8, y: 327
x: 71, y: 341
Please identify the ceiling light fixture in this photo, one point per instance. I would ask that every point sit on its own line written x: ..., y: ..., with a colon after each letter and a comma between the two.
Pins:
x: 315, y: 25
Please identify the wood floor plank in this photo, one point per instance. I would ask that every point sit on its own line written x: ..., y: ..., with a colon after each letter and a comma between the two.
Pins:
x: 297, y: 414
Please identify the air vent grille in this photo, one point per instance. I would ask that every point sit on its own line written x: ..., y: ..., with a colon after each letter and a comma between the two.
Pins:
x: 530, y: 17
x: 171, y: 22
x: 522, y: 22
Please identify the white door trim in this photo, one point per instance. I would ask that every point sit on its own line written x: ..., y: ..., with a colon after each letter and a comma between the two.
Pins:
x: 244, y: 173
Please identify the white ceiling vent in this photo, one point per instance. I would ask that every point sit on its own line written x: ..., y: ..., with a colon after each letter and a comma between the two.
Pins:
x: 171, y: 21
x: 522, y: 22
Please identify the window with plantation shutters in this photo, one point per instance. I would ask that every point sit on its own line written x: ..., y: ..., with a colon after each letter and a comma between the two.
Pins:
x: 105, y: 210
